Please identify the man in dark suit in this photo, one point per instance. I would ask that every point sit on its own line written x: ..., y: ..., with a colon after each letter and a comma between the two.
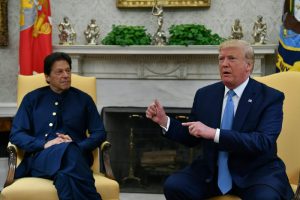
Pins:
x: 50, y: 126
x: 239, y: 158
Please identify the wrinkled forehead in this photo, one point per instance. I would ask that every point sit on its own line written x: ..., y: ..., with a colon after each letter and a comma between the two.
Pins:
x: 232, y: 50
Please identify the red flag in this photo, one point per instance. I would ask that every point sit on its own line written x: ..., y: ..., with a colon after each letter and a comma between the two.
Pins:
x: 35, y: 35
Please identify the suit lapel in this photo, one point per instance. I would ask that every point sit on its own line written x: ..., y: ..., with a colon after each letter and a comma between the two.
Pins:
x: 218, y: 97
x: 245, y: 104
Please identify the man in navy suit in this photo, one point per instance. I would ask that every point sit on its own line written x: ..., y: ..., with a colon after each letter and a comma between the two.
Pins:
x: 254, y: 170
x: 50, y: 126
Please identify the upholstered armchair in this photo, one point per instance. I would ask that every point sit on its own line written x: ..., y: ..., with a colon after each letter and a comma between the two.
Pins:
x: 38, y: 188
x: 288, y: 142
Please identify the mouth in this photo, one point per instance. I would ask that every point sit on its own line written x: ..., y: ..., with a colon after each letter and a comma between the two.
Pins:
x: 226, y: 73
x: 65, y: 82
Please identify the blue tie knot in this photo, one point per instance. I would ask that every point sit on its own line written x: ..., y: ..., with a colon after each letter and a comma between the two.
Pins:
x: 230, y: 93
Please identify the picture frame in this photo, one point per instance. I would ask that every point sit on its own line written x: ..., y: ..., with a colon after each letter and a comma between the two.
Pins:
x: 3, y: 23
x: 164, y: 3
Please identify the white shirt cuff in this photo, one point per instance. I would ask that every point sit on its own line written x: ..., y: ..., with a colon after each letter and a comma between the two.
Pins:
x: 165, y: 129
x: 217, y: 136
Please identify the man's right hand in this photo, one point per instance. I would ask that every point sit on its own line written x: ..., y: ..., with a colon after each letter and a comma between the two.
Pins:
x: 56, y: 140
x: 156, y: 113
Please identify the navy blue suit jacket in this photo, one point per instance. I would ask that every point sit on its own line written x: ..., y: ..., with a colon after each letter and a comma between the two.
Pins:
x: 251, y: 143
x: 42, y: 114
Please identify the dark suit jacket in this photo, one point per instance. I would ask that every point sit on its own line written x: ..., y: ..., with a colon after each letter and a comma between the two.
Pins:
x: 42, y: 114
x: 252, y: 141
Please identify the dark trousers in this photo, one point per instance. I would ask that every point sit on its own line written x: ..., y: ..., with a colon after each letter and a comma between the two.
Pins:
x: 74, y: 179
x: 185, y: 185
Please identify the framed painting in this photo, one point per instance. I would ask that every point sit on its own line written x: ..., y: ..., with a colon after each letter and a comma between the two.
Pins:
x: 3, y: 23
x: 164, y: 3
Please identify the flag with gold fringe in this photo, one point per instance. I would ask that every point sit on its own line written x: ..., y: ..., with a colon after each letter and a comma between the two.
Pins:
x: 289, y: 38
x: 35, y: 35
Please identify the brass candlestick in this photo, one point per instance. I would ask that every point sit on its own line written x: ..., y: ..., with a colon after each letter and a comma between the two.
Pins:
x: 131, y: 175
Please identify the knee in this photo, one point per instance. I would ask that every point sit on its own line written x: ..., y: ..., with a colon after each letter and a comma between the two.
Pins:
x: 72, y: 147
x: 262, y: 192
x: 173, y: 189
x: 267, y: 196
x: 172, y: 184
x: 60, y: 179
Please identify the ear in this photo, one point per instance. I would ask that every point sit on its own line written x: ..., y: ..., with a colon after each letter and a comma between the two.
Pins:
x: 249, y: 67
x: 47, y: 78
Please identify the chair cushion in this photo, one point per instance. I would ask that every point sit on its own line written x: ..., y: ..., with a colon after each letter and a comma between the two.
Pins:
x: 26, y: 188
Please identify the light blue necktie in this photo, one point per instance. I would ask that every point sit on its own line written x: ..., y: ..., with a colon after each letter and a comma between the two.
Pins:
x: 224, y: 177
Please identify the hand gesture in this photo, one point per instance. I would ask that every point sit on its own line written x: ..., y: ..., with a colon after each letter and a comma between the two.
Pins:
x: 199, y: 129
x: 156, y: 113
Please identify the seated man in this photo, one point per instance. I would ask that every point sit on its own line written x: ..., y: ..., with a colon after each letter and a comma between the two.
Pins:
x: 50, y: 126
x: 237, y: 122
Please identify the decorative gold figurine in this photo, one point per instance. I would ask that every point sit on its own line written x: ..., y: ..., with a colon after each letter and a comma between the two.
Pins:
x: 236, y: 30
x: 92, y: 33
x: 259, y: 31
x: 159, y: 38
x: 67, y: 35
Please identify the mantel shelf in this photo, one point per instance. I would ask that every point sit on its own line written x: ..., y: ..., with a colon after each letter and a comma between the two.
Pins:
x: 153, y: 50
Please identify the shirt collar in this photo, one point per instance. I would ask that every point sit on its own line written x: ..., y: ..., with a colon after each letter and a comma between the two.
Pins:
x: 238, y: 90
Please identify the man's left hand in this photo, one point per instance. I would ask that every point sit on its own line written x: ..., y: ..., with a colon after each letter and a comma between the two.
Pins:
x: 199, y: 129
x: 66, y: 138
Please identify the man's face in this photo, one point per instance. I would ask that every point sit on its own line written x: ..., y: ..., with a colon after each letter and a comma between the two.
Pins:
x: 60, y: 76
x: 233, y: 66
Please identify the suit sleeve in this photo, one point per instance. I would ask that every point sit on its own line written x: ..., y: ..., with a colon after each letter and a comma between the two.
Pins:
x: 179, y: 133
x: 22, y: 131
x: 95, y: 128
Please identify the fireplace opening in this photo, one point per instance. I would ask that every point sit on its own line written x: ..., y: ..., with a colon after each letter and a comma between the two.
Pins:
x: 141, y: 157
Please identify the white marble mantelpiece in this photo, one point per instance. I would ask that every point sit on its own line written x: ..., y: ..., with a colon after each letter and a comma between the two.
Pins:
x: 156, y: 62
x: 152, y: 50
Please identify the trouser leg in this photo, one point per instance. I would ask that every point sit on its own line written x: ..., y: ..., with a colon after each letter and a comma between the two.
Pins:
x: 258, y: 192
x: 63, y: 187
x: 75, y: 177
x: 187, y: 185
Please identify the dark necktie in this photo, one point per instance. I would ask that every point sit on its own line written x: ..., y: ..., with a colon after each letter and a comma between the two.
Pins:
x: 224, y: 177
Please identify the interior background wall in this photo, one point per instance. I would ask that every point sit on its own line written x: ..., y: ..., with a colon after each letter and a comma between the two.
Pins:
x: 219, y: 18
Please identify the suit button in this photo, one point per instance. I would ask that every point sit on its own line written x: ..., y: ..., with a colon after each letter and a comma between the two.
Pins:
x: 208, y: 180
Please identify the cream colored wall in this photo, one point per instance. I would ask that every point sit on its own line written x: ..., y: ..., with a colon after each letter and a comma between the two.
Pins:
x: 218, y: 17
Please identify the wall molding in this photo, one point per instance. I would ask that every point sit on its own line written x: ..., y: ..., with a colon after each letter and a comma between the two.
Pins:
x: 8, y: 109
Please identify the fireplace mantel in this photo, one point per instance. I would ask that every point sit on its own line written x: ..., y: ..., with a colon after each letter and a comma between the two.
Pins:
x: 153, y: 50
x: 156, y: 62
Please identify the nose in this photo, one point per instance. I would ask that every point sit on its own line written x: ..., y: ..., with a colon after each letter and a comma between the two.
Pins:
x: 224, y: 62
x: 66, y: 74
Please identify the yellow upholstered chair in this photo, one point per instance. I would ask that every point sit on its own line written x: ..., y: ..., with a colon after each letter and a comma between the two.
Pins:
x: 289, y: 140
x: 38, y: 188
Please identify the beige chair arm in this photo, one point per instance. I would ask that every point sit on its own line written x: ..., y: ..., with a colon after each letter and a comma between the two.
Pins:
x: 12, y: 163
x: 104, y: 156
x: 105, y: 160
x: 297, y: 194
